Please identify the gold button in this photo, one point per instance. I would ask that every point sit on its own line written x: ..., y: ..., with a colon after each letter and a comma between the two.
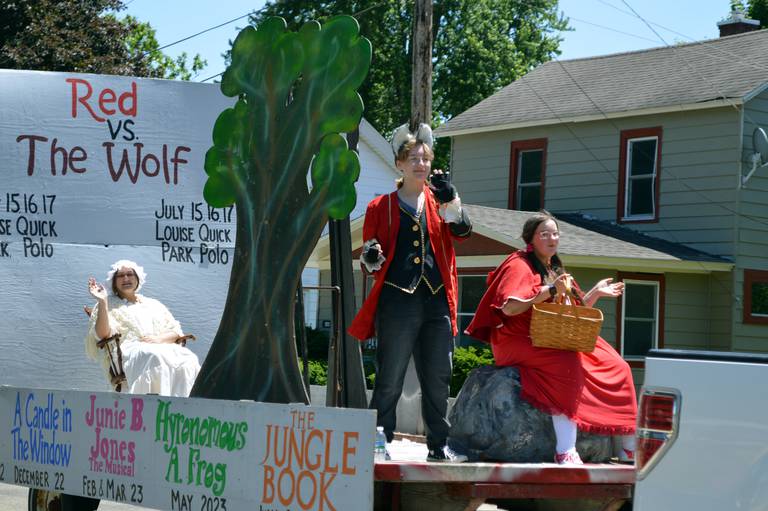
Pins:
x: 417, y: 260
x: 416, y: 243
x: 415, y: 228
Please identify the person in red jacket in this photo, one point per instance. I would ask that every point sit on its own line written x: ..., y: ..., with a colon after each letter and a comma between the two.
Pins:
x: 411, y: 309
x: 592, y: 392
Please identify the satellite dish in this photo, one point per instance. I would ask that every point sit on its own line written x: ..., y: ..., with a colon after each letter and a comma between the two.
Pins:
x: 760, y: 156
x: 760, y: 144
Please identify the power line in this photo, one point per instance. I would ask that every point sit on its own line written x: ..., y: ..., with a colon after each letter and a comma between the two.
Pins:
x: 355, y: 15
x: 363, y: 11
x: 605, y: 116
x: 611, y: 29
x: 211, y: 77
x: 727, y: 56
x: 667, y: 171
x: 201, y: 32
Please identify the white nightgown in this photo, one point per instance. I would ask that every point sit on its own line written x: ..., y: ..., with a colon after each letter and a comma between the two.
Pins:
x: 164, y: 369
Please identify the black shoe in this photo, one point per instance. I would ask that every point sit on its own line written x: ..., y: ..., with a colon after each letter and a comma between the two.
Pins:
x: 445, y: 455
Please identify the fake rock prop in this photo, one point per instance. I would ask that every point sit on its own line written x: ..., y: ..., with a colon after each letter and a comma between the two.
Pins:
x: 489, y: 421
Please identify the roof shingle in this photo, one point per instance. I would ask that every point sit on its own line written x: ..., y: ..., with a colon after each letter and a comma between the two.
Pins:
x: 587, y: 236
x: 701, y: 72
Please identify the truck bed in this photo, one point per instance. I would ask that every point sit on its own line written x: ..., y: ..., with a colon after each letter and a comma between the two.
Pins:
x: 424, y: 486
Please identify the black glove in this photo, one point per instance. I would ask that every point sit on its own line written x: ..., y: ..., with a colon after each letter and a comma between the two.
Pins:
x: 371, y: 256
x: 442, y: 188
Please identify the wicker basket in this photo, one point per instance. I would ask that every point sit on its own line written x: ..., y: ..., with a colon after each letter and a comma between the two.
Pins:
x: 565, y: 327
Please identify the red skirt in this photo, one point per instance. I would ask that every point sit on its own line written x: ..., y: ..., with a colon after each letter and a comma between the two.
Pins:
x: 595, y: 390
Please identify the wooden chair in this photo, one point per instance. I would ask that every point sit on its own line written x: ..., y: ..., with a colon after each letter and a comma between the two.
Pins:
x: 115, y: 354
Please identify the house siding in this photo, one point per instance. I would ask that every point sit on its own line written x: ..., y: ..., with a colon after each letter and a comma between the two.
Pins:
x: 689, y: 314
x: 698, y: 205
x: 752, y: 239
x: 699, y: 165
x: 720, y: 315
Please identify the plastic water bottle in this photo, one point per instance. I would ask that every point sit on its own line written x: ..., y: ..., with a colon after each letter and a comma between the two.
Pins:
x: 380, y: 445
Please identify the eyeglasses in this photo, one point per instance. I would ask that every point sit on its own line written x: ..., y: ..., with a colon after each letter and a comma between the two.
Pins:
x: 124, y: 275
x: 546, y: 235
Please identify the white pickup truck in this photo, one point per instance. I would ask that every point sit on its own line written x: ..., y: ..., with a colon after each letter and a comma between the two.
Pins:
x: 703, y: 432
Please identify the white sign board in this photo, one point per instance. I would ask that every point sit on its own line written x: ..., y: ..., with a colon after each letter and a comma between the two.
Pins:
x: 184, y: 454
x: 95, y: 169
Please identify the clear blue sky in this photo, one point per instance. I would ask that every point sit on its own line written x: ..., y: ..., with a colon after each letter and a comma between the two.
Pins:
x: 599, y: 26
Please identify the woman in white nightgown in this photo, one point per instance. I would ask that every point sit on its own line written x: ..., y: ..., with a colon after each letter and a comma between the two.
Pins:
x: 153, y: 362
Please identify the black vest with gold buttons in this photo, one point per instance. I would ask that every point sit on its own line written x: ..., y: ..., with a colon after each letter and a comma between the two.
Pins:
x: 414, y: 261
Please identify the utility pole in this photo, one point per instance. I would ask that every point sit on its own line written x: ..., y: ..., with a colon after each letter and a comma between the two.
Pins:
x: 421, y: 81
x: 421, y: 112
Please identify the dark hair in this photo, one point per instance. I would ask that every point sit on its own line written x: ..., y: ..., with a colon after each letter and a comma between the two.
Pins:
x: 114, y: 281
x: 529, y: 229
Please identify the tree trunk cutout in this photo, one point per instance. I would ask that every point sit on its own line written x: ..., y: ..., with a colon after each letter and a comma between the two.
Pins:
x: 297, y: 92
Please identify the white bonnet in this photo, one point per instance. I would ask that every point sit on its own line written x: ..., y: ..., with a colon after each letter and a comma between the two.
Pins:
x: 126, y: 263
x: 403, y: 134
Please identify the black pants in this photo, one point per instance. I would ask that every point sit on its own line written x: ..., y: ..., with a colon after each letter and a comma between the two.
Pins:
x: 415, y: 324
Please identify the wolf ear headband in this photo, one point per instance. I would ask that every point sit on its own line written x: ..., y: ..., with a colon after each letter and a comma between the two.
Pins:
x: 402, y: 135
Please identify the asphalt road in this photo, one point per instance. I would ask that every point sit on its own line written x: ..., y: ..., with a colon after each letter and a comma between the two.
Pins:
x: 14, y: 498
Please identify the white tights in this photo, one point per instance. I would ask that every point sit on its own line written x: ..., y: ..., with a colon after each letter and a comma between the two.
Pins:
x: 565, y: 435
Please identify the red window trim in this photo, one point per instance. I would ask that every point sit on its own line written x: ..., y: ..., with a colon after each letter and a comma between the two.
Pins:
x: 515, y: 148
x: 750, y: 277
x: 627, y: 135
x: 652, y: 277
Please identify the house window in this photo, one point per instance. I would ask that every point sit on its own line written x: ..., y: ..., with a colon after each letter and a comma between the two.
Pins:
x: 471, y: 290
x: 526, y: 176
x: 641, y: 315
x: 755, y: 297
x: 639, y: 164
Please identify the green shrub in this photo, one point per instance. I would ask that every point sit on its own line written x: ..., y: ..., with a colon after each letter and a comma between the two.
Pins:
x: 464, y: 360
x: 318, y: 372
x: 369, y: 367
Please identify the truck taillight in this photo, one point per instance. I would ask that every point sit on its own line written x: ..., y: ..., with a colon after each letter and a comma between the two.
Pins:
x: 657, y: 426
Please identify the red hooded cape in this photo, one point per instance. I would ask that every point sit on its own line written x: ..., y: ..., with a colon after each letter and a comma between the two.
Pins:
x: 595, y: 390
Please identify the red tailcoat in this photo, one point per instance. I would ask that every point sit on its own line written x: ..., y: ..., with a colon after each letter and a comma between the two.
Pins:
x: 382, y: 221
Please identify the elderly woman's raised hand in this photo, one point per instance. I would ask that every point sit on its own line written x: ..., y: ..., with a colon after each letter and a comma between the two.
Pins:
x: 97, y: 290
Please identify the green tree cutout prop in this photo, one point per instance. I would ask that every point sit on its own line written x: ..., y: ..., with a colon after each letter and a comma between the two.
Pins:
x: 297, y: 92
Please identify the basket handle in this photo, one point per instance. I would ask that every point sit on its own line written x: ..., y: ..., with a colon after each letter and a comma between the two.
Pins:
x: 569, y: 292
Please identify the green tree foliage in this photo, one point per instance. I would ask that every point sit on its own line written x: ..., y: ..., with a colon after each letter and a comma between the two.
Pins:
x: 758, y: 10
x: 479, y: 47
x: 84, y: 36
x: 464, y: 361
x: 296, y: 92
x: 143, y: 47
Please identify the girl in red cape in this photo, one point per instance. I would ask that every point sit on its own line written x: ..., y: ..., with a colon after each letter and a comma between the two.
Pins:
x: 592, y: 392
